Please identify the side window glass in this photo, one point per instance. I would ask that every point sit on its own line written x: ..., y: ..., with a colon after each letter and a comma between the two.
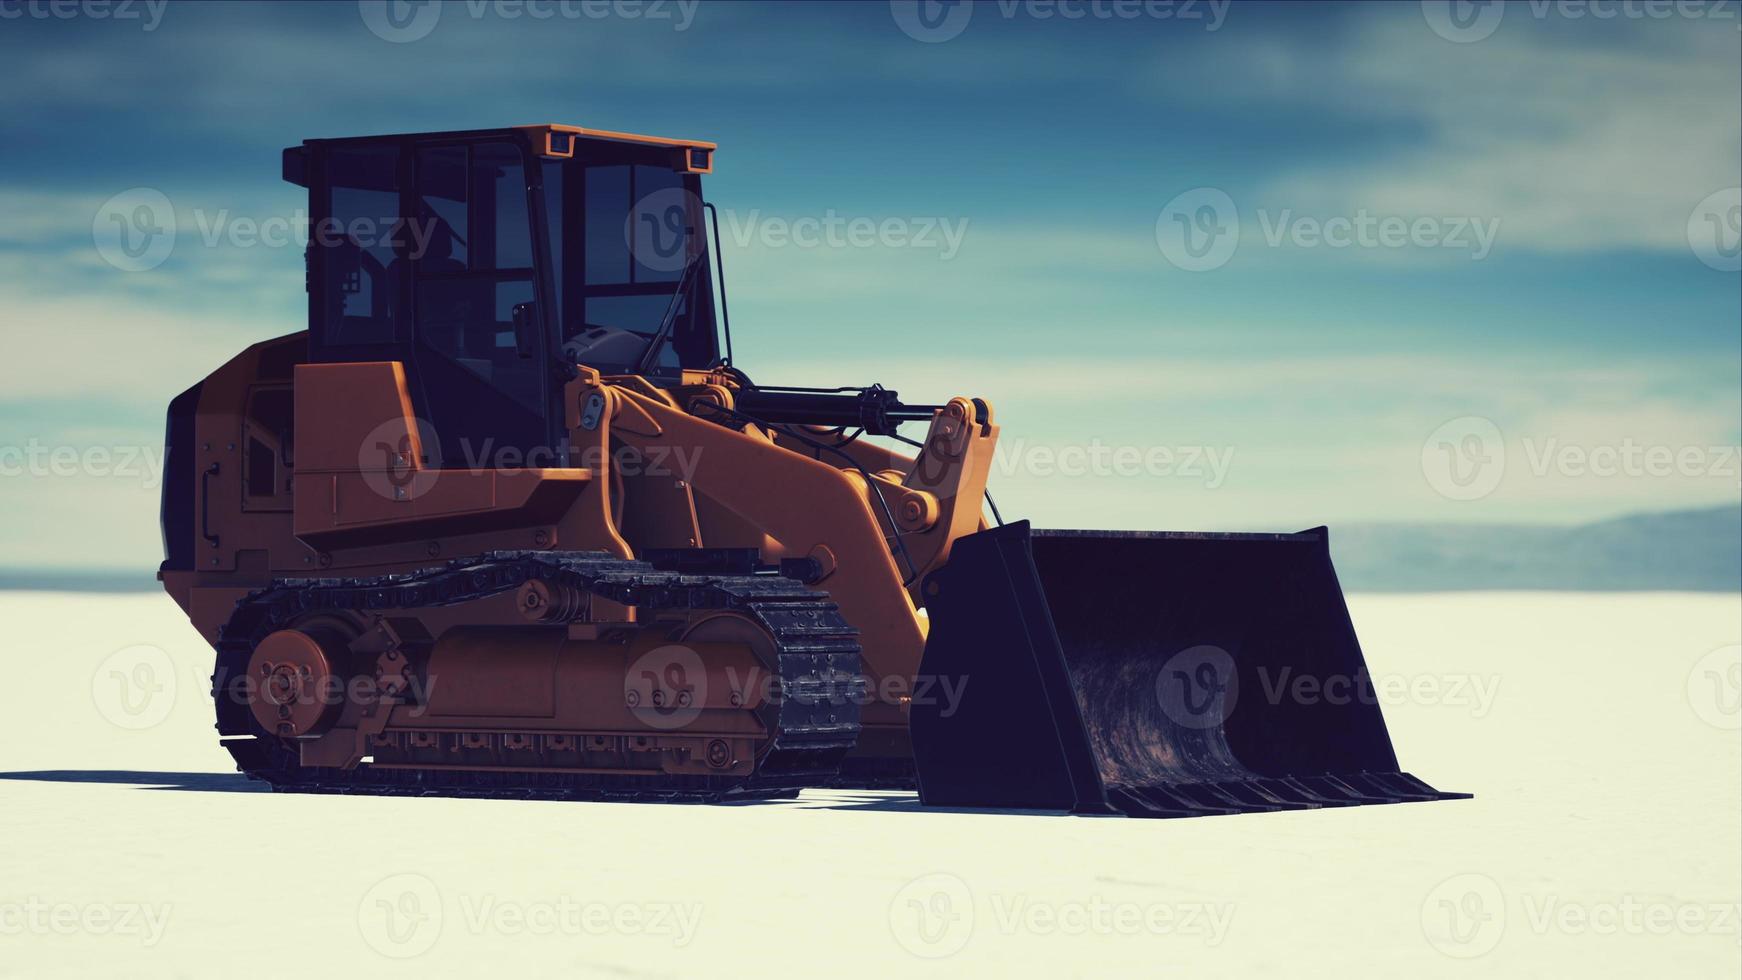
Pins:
x: 607, y: 207
x: 442, y: 208
x: 362, y: 270
x: 476, y: 267
x: 553, y: 221
x: 499, y: 188
x: 662, y: 225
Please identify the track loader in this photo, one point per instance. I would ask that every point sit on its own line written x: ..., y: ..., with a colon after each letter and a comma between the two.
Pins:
x: 508, y: 520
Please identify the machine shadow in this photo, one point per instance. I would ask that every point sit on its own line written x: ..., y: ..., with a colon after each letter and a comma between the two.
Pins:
x: 193, y: 782
x: 227, y: 782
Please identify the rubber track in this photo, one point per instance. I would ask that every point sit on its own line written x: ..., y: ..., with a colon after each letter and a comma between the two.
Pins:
x: 816, y: 724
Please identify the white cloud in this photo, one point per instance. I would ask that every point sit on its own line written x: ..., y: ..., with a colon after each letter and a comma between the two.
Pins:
x: 1574, y: 144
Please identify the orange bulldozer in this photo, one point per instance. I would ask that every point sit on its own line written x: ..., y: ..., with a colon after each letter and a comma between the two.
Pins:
x: 508, y: 520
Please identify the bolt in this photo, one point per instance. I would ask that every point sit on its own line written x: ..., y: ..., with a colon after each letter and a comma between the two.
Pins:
x: 632, y: 698
x: 684, y: 699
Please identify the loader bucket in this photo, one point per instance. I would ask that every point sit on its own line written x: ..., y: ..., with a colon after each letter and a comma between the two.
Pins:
x: 1155, y: 674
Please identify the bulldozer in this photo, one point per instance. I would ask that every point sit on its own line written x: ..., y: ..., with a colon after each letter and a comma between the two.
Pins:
x: 508, y: 520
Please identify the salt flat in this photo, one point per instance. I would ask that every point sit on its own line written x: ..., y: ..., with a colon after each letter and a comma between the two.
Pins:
x: 1599, y: 732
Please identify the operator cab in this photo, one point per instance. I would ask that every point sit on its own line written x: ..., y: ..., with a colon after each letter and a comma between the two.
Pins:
x: 490, y: 262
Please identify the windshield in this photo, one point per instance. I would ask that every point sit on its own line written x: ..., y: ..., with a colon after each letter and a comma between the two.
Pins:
x: 622, y: 234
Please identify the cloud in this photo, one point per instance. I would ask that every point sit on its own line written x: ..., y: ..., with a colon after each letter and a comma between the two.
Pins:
x: 1573, y: 142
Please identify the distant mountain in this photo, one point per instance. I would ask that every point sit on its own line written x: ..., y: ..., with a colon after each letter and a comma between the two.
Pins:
x: 1681, y: 551
x: 79, y: 580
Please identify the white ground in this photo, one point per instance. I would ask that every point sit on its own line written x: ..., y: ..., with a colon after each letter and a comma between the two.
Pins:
x: 1598, y: 732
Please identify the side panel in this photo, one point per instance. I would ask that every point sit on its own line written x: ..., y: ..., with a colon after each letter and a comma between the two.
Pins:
x: 176, y: 516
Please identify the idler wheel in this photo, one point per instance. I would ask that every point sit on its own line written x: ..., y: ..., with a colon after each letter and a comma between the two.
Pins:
x: 298, y: 690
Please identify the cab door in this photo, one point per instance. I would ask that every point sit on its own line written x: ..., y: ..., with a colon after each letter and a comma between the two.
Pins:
x: 422, y: 252
x: 480, y: 361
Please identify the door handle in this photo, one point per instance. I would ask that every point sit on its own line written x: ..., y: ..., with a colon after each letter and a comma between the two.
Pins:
x: 206, y: 504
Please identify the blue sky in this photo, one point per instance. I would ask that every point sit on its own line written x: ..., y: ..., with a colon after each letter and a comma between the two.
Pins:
x: 1061, y: 150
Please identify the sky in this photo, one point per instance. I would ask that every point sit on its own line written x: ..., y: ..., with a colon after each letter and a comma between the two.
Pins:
x: 1216, y: 267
